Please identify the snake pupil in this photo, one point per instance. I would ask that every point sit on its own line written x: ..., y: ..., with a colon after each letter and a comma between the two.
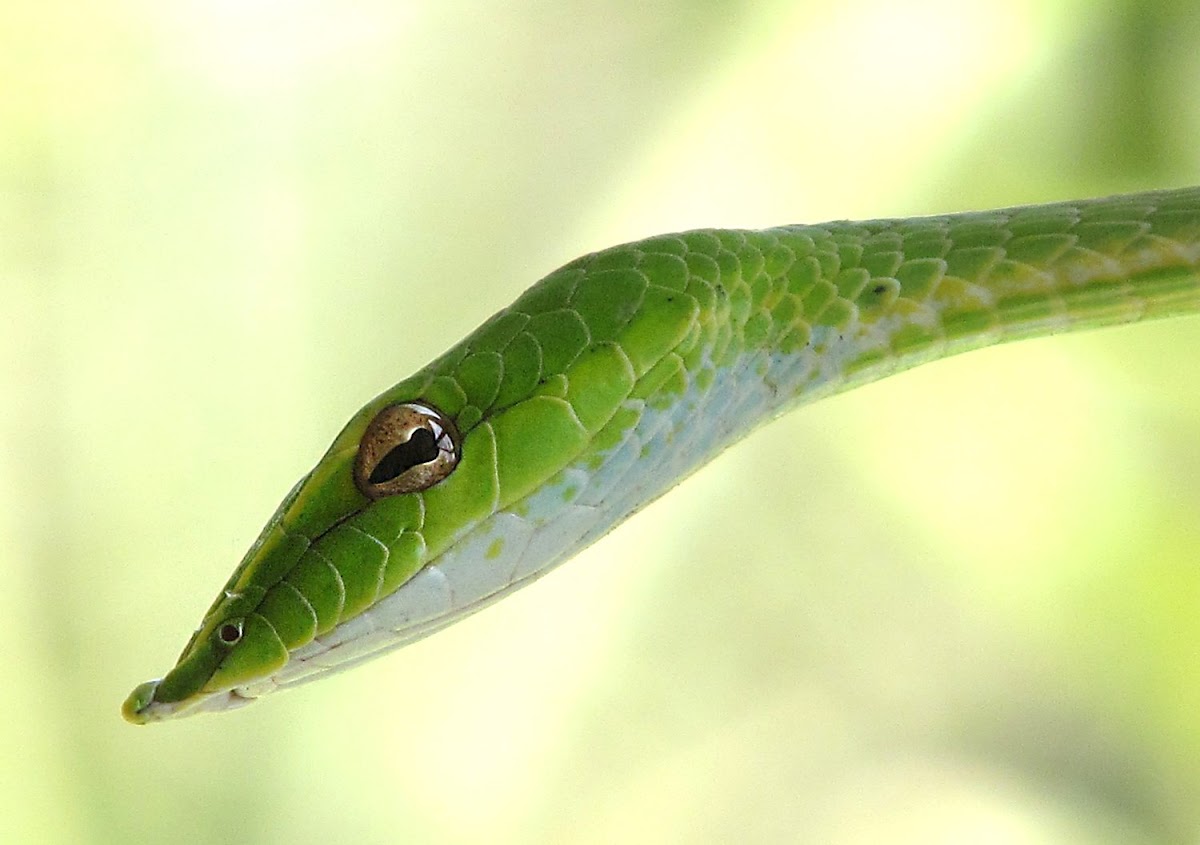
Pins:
x: 420, y: 448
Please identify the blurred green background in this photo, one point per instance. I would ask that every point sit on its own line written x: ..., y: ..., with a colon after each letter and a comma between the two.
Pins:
x: 958, y: 605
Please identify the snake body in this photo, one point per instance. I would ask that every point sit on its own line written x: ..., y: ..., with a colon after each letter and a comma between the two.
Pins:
x: 616, y: 376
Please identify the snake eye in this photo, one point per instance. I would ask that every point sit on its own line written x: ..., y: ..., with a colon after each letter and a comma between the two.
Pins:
x: 406, y: 448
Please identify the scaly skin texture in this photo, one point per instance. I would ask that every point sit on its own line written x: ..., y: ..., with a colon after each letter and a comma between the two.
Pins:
x: 614, y: 377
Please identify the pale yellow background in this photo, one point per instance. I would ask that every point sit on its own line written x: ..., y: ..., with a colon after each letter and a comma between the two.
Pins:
x: 962, y: 605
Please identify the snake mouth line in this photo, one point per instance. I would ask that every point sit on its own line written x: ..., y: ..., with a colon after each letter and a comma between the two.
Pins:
x: 304, y: 667
x: 313, y: 659
x: 140, y: 711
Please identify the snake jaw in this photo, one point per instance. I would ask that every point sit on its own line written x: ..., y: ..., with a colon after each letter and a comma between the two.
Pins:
x: 140, y: 708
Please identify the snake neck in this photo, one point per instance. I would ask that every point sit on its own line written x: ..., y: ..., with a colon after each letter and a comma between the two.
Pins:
x: 817, y: 309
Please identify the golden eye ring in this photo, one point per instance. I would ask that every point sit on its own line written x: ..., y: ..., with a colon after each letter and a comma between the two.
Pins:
x: 407, y: 448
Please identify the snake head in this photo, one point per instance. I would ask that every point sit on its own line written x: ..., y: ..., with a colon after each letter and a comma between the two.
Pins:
x: 461, y: 484
x: 347, y: 534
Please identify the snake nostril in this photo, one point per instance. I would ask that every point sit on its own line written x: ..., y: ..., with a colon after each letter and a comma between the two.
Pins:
x: 230, y: 633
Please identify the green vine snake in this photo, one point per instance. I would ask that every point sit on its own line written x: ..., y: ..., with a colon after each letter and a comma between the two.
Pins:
x: 616, y: 376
